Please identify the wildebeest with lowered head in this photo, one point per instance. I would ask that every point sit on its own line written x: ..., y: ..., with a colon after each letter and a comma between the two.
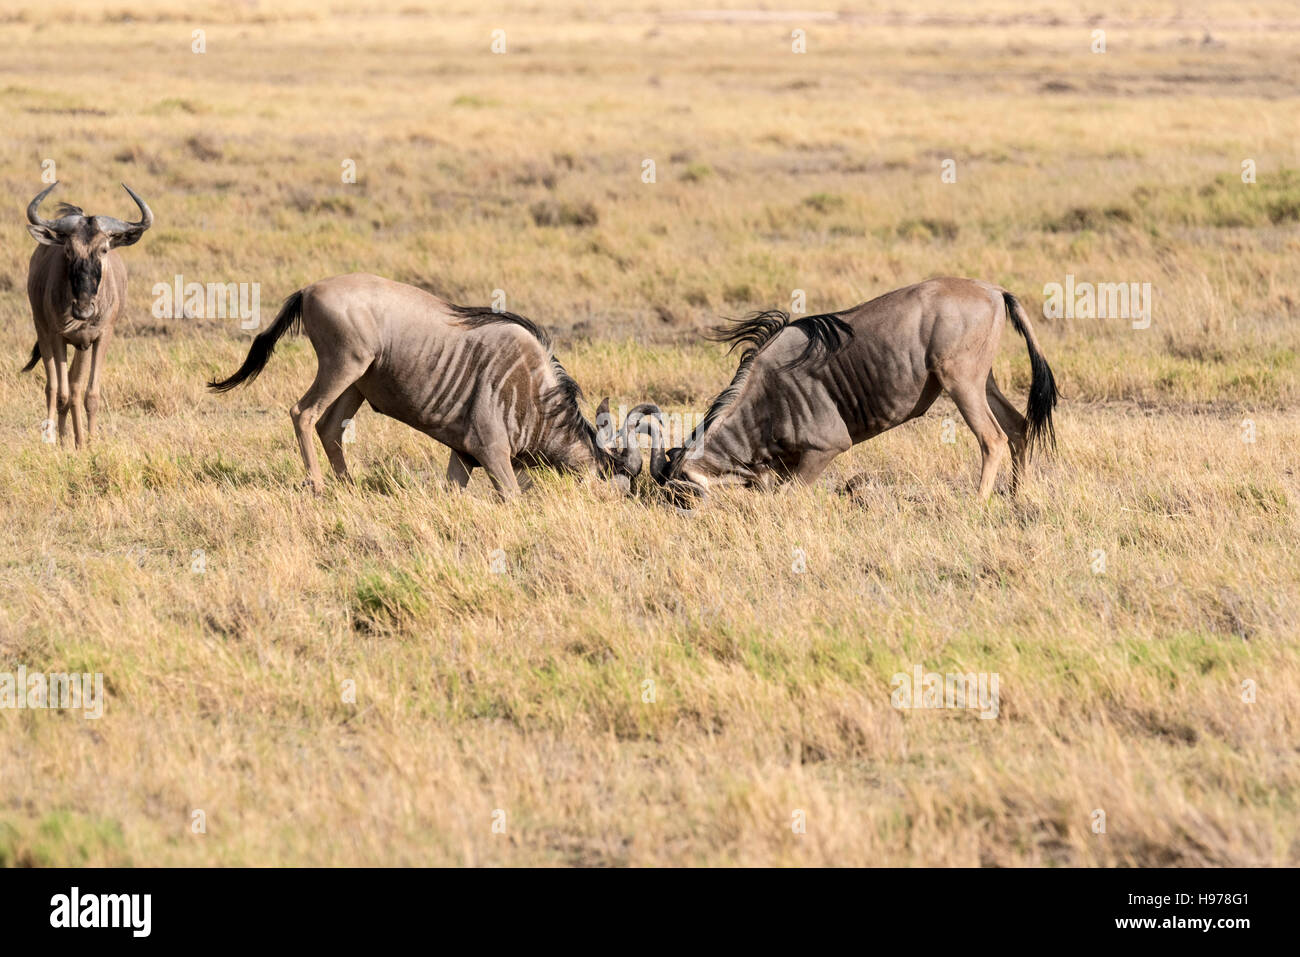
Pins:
x: 810, y: 389
x: 76, y: 284
x: 484, y: 383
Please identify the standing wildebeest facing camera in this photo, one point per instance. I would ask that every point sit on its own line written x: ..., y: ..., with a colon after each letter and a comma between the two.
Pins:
x: 76, y: 283
x: 484, y: 383
x: 810, y: 389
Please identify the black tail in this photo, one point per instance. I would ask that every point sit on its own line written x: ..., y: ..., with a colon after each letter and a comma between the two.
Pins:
x: 290, y: 318
x: 1042, y: 384
x: 36, y: 357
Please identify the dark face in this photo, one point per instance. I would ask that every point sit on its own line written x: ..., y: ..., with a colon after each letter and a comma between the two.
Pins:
x: 683, y: 492
x: 614, y: 466
x: 86, y: 242
x: 85, y: 251
x: 626, y: 462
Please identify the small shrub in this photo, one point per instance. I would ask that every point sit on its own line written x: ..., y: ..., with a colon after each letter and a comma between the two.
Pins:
x: 550, y: 212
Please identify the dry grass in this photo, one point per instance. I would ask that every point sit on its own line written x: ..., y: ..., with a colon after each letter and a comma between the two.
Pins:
x: 523, y: 691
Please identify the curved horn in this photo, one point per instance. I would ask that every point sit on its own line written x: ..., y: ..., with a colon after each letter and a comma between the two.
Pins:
x: 651, y: 425
x: 61, y: 225
x: 632, y: 427
x: 682, y: 492
x: 127, y: 233
x: 146, y: 214
x: 632, y: 459
x: 658, y: 464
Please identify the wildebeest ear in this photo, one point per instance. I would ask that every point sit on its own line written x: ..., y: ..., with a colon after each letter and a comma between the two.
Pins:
x: 604, y: 424
x: 45, y: 236
x: 128, y: 238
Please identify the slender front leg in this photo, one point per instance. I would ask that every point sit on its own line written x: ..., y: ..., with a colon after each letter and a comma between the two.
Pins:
x: 92, y: 387
x: 78, y: 376
x: 458, y: 469
x: 522, y: 478
x: 64, y: 390
x: 496, y: 460
x: 51, y: 394
x: 812, y: 464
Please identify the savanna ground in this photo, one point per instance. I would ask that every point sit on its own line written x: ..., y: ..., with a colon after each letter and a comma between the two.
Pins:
x: 522, y: 690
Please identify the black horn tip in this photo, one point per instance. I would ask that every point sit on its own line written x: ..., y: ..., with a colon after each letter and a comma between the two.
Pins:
x: 32, y: 216
x: 647, y: 408
x: 645, y: 419
x: 146, y: 214
x: 661, y: 463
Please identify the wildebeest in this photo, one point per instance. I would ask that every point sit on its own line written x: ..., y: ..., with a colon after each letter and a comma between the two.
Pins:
x: 76, y: 283
x: 810, y: 389
x: 484, y: 383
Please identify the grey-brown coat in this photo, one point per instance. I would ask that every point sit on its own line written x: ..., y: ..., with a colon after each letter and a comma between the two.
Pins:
x: 483, y: 383
x: 76, y: 284
x: 810, y: 389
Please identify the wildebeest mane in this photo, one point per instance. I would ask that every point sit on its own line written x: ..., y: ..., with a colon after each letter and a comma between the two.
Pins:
x: 727, y: 395
x: 826, y: 334
x: 475, y: 316
x: 563, y: 400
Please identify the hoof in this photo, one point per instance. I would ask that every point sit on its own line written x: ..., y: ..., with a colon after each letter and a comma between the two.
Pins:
x: 857, y: 488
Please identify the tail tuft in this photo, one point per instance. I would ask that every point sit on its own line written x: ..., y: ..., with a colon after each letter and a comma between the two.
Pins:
x: 1042, y: 384
x: 259, y: 353
x: 36, y: 357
